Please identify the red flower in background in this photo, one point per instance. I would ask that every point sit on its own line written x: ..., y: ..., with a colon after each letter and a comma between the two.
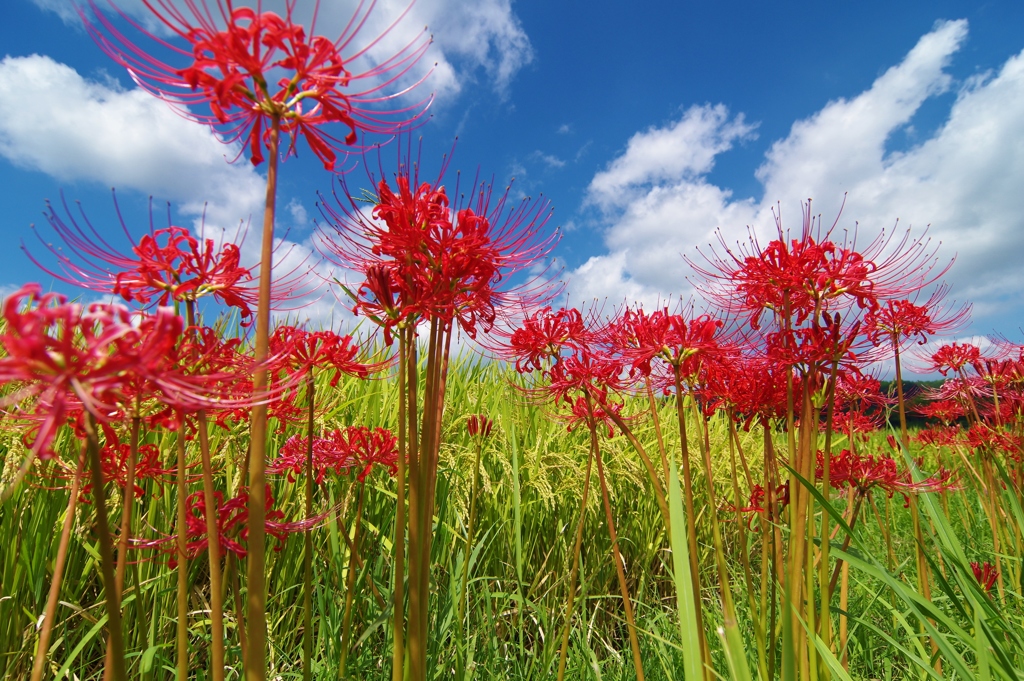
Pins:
x: 896, y: 321
x: 340, y: 451
x: 301, y: 351
x: 865, y: 473
x: 232, y: 525
x: 114, y: 462
x: 540, y: 337
x: 479, y: 425
x: 235, y: 53
x: 954, y: 357
x: 986, y: 575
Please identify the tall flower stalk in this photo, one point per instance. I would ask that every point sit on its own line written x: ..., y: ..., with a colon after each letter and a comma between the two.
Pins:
x: 225, y: 82
x: 429, y: 265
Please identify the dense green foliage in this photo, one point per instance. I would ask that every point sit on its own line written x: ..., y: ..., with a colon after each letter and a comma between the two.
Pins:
x: 532, y: 474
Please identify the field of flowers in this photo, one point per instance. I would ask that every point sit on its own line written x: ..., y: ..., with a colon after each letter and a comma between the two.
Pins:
x: 718, y: 489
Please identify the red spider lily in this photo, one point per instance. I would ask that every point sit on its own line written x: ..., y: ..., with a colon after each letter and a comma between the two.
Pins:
x: 584, y: 372
x: 896, y: 321
x: 864, y: 473
x: 940, y: 436
x: 372, y: 447
x: 960, y: 389
x: 235, y: 53
x: 181, y: 271
x: 640, y: 338
x: 854, y: 422
x: 758, y: 496
x: 541, y: 336
x: 425, y: 258
x: 114, y: 461
x: 330, y: 453
x: 811, y: 350
x: 301, y: 351
x: 580, y: 413
x: 232, y: 526
x: 478, y: 425
x: 986, y: 575
x: 340, y: 451
x: 67, y: 355
x: 945, y: 411
x: 801, y: 276
x: 982, y: 436
x: 754, y: 389
x: 163, y: 265
x: 954, y: 357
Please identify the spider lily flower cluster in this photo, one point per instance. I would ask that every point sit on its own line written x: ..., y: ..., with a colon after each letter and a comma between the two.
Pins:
x: 778, y: 354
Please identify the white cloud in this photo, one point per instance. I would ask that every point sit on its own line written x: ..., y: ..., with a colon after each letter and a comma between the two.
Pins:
x: 549, y: 160
x: 964, y: 181
x: 684, y: 149
x: 55, y: 121
x: 467, y: 37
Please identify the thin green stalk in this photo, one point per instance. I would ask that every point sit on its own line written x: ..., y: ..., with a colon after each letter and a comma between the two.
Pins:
x: 181, y: 549
x: 350, y: 584
x: 659, y: 492
x: 461, y: 610
x: 574, y: 571
x: 691, y: 525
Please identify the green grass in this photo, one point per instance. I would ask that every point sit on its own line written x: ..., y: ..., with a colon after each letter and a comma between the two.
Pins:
x: 531, y: 480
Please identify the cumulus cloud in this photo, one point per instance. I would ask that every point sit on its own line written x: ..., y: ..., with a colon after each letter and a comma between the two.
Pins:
x: 963, y: 180
x: 468, y: 38
x: 55, y: 121
x: 684, y: 149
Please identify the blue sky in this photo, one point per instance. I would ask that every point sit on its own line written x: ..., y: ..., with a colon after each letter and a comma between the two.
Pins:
x: 647, y: 128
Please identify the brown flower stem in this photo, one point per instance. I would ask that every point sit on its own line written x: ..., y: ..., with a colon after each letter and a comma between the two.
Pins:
x: 256, y: 659
x: 634, y: 642
x: 213, y: 552
x: 113, y: 603
x: 574, y: 571
x: 796, y: 610
x: 52, y: 598
x: 182, y: 557
x: 127, y: 499
x: 307, y: 554
x: 398, y: 547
